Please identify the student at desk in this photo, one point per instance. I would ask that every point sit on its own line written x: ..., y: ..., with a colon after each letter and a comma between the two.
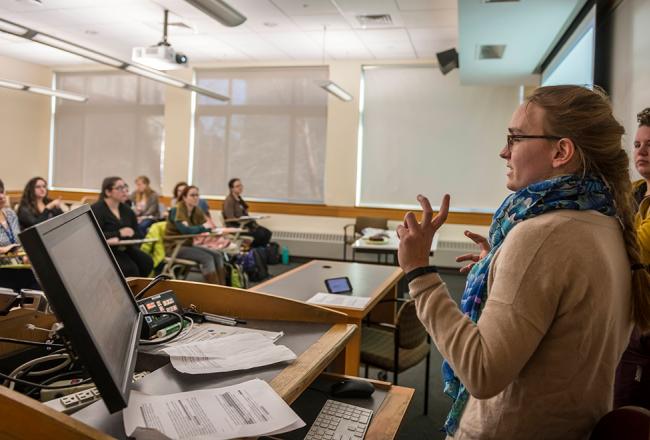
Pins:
x: 118, y: 222
x: 551, y: 300
x: 234, y: 207
x: 187, y: 218
x: 35, y: 206
x: 13, y: 278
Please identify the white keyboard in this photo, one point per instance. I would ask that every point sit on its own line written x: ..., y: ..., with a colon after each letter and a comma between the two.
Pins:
x: 340, y: 421
x: 76, y: 401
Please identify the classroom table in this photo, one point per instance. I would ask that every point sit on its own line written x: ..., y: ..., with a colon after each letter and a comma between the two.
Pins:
x: 387, y: 247
x: 376, y: 282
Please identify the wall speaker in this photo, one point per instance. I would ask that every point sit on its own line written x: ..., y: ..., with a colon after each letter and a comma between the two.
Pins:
x: 447, y: 60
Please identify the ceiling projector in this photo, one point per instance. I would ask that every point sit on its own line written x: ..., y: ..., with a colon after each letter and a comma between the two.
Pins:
x: 160, y: 57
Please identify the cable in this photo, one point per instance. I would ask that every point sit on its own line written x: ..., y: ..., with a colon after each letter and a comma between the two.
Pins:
x: 33, y: 343
x: 41, y: 386
x: 152, y: 283
x: 52, y: 357
x: 167, y: 338
x: 57, y: 377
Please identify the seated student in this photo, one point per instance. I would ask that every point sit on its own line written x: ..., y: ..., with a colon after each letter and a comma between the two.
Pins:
x: 203, y: 204
x: 118, y: 222
x: 12, y: 278
x: 35, y: 206
x: 633, y: 373
x: 145, y: 204
x: 551, y: 300
x: 187, y: 218
x: 234, y: 207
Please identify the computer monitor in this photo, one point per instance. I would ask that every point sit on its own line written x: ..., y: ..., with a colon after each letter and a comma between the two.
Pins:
x: 89, y: 295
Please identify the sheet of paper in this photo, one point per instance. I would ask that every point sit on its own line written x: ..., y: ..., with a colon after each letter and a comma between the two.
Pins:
x: 247, y: 409
x: 330, y: 299
x: 209, y: 331
x: 229, y: 353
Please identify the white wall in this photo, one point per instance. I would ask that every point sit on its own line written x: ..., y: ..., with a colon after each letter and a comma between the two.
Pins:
x: 24, y: 124
x: 630, y: 65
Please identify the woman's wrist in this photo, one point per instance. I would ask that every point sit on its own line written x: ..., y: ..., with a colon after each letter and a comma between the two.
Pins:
x: 419, y: 271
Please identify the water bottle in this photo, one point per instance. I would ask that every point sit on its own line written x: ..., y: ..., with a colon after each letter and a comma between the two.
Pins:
x: 285, y: 255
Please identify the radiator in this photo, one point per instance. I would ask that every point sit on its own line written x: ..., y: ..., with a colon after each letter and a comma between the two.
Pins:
x: 330, y: 245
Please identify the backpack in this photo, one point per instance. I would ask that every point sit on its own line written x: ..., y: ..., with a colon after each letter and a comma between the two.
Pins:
x: 236, y: 276
x: 254, y: 264
x: 273, y: 253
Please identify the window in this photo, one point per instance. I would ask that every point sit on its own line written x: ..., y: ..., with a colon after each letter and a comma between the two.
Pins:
x: 119, y: 131
x: 425, y: 133
x: 271, y: 134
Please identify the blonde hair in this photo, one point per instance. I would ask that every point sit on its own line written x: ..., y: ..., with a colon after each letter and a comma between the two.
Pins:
x: 139, y: 196
x: 585, y: 116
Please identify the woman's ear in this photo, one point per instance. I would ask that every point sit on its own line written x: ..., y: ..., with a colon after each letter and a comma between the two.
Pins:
x: 564, y: 153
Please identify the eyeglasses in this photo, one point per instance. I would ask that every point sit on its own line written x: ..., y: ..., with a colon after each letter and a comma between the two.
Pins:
x: 121, y: 188
x: 193, y: 195
x: 512, y: 138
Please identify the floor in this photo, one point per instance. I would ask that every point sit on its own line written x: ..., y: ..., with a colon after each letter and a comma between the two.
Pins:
x: 416, y: 425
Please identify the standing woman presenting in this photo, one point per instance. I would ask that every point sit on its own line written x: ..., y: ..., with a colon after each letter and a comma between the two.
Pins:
x: 550, y: 303
x: 35, y: 206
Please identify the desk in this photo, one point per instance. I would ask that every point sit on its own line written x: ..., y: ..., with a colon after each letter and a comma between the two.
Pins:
x: 130, y: 242
x: 368, y: 280
x: 389, y: 247
x: 317, y: 334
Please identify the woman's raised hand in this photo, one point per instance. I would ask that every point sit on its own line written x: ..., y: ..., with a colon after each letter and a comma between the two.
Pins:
x: 484, y: 246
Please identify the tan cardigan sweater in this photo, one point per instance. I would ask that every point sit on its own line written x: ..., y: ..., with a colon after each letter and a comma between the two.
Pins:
x: 540, y: 362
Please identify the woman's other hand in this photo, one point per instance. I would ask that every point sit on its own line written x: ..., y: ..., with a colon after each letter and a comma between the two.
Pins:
x: 484, y: 246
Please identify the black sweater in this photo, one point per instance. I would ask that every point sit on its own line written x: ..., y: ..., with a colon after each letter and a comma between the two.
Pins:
x: 110, y: 224
x: 28, y: 217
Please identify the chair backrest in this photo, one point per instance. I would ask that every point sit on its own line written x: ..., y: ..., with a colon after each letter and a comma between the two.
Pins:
x: 411, y: 330
x: 627, y: 422
x: 369, y: 222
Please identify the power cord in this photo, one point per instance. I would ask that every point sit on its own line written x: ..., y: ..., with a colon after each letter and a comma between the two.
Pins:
x: 32, y: 343
x: 167, y: 338
x: 152, y: 283
x: 41, y: 386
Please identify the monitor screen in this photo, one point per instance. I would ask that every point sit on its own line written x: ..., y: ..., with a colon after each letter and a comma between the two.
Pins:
x: 90, y: 296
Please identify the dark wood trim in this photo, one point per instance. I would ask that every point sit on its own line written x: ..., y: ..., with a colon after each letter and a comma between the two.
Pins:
x: 464, y: 218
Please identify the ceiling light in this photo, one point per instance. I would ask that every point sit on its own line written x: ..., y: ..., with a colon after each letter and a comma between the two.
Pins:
x: 12, y: 28
x: 491, y: 51
x: 220, y: 11
x: 15, y: 85
x: 77, y: 50
x: 331, y: 86
x: 335, y: 90
x: 93, y: 55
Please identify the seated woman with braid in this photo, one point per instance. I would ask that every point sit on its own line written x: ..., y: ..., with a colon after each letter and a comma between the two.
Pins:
x: 551, y: 300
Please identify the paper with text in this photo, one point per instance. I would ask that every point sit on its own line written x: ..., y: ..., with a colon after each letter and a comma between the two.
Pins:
x: 247, y: 409
x: 330, y: 299
x: 229, y: 353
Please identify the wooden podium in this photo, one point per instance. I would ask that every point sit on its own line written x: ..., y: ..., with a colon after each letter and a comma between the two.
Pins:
x: 26, y: 418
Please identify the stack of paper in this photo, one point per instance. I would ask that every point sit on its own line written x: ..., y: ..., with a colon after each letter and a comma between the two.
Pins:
x: 341, y: 300
x: 228, y: 353
x: 249, y: 409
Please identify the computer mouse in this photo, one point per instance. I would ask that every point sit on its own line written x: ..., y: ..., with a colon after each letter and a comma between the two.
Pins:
x: 352, y: 388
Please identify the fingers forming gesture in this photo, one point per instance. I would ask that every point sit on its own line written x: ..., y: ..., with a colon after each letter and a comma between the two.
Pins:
x: 484, y: 246
x: 416, y: 238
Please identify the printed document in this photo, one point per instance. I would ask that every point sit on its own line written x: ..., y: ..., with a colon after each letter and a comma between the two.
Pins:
x: 330, y: 299
x: 229, y: 353
x: 209, y: 331
x: 248, y: 409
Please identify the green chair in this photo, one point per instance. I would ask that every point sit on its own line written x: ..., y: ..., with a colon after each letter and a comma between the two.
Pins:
x: 397, y: 347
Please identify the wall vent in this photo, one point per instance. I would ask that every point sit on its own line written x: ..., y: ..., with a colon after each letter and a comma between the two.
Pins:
x: 375, y: 20
x: 491, y: 51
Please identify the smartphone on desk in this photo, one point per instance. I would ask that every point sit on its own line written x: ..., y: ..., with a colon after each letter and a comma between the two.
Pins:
x: 338, y: 285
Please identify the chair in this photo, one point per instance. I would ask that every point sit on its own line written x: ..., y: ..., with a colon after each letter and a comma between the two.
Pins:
x: 352, y: 232
x: 397, y: 347
x: 627, y: 422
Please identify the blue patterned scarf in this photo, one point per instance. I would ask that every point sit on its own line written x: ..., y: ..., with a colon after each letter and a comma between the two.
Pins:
x: 563, y: 192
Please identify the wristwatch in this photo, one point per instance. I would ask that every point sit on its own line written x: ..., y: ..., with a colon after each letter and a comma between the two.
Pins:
x: 419, y: 272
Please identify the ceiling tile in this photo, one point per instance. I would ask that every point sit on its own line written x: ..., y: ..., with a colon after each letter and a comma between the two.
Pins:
x: 370, y: 36
x: 316, y: 22
x: 305, y: 7
x: 367, y: 6
x: 423, y: 5
x: 433, y: 18
x: 433, y: 33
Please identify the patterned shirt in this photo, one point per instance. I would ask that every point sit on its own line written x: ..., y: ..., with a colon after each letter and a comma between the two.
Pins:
x: 9, y: 236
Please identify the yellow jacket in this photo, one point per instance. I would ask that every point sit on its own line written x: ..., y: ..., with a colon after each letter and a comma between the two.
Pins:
x: 642, y: 225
